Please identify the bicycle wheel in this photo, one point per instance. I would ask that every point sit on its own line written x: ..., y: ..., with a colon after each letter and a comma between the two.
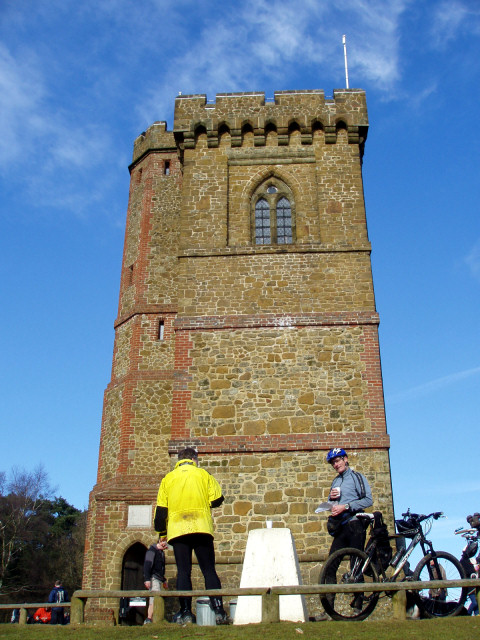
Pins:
x: 345, y: 566
x: 435, y: 603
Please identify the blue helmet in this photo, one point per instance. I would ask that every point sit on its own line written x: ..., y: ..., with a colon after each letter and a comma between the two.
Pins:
x: 338, y: 452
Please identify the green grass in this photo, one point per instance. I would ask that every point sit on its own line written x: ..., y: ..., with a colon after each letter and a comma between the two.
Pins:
x: 463, y: 628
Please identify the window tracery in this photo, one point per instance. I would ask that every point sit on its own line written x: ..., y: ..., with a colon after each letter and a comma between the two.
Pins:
x: 273, y: 215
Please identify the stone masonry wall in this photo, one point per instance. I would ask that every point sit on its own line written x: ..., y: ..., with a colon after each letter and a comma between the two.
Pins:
x: 263, y: 282
x: 284, y: 488
x: 278, y: 381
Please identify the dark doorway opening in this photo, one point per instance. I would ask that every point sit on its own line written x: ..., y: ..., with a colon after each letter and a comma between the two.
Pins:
x: 132, y: 579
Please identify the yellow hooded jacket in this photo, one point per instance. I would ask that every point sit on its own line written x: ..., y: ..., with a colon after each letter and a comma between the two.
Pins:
x: 187, y: 493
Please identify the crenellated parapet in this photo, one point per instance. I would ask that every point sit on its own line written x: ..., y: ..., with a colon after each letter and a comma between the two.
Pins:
x: 157, y: 138
x: 239, y: 113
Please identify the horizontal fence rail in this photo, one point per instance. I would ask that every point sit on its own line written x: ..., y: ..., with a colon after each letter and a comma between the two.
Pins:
x: 24, y: 606
x: 270, y: 596
x: 35, y: 605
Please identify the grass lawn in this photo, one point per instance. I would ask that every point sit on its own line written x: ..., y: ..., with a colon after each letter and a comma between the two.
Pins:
x: 462, y: 628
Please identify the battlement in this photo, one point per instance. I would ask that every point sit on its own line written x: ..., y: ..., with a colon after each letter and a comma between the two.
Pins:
x: 237, y: 113
x: 155, y: 137
x: 306, y: 110
x: 346, y: 103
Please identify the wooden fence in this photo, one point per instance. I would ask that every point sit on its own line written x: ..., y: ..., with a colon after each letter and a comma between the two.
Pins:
x: 24, y: 606
x: 270, y: 596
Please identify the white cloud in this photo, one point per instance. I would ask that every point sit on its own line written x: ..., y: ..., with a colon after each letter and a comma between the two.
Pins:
x: 277, y: 38
x: 420, y: 97
x: 378, y: 50
x: 452, y: 17
x: 21, y: 93
x: 209, y: 51
x: 46, y: 147
x: 448, y: 488
x: 29, y: 119
x: 473, y: 260
x: 58, y: 116
x: 432, y: 386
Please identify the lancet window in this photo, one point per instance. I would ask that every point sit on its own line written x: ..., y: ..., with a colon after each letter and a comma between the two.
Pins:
x: 273, y: 216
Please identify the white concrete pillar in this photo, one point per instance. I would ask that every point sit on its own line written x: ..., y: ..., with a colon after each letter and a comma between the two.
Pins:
x: 270, y: 561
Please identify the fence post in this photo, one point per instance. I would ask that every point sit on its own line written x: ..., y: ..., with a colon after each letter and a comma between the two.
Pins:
x: 270, y: 607
x: 77, y: 610
x: 399, y: 602
x: 23, y: 616
x: 158, y: 608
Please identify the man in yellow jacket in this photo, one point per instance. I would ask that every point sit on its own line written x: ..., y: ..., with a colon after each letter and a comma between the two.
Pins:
x: 183, y: 517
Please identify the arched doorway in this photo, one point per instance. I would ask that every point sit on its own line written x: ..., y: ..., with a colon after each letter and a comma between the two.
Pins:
x: 132, y: 579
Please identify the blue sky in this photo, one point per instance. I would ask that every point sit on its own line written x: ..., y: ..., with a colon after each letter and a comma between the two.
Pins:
x: 79, y: 81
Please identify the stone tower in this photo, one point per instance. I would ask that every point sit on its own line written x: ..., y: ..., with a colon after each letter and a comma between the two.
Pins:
x: 246, y: 326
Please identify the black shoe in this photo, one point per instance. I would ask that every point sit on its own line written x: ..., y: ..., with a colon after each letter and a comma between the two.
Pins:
x: 184, y: 616
x: 221, y: 617
x: 188, y: 618
x: 177, y: 617
x: 216, y: 603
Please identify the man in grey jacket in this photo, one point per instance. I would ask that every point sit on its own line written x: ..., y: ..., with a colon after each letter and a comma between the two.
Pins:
x: 352, y: 494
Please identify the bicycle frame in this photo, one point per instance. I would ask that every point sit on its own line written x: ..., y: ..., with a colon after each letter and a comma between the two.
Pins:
x: 418, y: 539
x: 408, y: 552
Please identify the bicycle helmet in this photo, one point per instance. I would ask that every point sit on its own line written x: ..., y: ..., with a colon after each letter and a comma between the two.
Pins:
x: 338, y: 452
x: 407, y: 527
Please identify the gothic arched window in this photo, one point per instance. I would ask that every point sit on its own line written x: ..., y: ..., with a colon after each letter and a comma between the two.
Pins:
x: 273, y: 216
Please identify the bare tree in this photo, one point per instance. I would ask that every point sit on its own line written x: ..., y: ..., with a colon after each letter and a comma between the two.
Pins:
x: 21, y: 494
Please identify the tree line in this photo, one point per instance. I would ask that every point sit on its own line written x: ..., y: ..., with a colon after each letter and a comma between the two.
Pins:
x: 42, y: 538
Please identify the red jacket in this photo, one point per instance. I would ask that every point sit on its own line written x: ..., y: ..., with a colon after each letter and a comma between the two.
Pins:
x: 42, y: 615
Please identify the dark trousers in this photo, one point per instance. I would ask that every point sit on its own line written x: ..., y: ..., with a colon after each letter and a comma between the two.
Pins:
x: 57, y: 616
x: 352, y: 534
x: 202, y: 545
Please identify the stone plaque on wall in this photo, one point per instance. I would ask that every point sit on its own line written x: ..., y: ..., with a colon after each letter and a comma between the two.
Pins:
x: 139, y: 515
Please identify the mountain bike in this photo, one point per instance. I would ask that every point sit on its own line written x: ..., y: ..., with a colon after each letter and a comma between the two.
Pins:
x: 353, y: 566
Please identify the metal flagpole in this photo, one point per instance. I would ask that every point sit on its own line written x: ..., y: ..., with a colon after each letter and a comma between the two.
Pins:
x: 344, y: 39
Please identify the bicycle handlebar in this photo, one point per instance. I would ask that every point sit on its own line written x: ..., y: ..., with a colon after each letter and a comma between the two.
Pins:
x: 466, y: 533
x: 420, y: 517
